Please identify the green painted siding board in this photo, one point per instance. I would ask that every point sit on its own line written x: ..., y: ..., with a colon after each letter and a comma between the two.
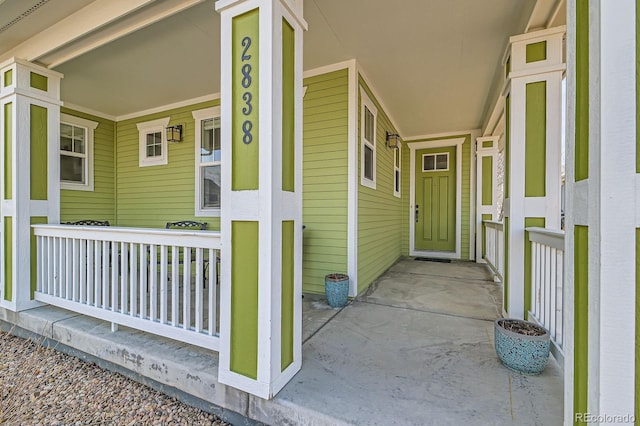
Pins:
x: 38, y: 159
x: 325, y: 139
x: 536, y: 52
x: 99, y: 204
x: 379, y: 212
x: 245, y: 130
x: 535, y: 139
x: 8, y: 151
x: 8, y: 258
x: 487, y: 181
x: 582, y: 91
x: 35, y: 220
x: 143, y: 192
x: 287, y: 294
x: 288, y: 107
x: 8, y: 78
x: 244, y: 298
x: 529, y: 222
x: 581, y: 320
x: 39, y: 81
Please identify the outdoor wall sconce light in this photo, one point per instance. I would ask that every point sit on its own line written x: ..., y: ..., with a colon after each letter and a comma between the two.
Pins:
x: 174, y: 133
x: 393, y: 140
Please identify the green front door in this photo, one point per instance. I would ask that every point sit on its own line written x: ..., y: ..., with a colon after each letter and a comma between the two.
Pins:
x: 435, y: 203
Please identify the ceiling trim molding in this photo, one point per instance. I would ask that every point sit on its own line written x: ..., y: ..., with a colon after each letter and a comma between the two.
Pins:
x: 376, y: 95
x: 89, y: 111
x: 421, y: 138
x: 329, y: 68
x: 163, y: 108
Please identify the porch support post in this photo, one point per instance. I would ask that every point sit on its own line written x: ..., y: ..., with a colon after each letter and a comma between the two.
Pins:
x: 487, y: 187
x: 29, y: 177
x: 602, y: 252
x: 261, y: 217
x: 533, y: 108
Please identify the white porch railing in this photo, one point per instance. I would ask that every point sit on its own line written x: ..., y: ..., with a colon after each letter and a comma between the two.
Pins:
x: 494, y: 246
x: 156, y: 280
x: 547, y: 280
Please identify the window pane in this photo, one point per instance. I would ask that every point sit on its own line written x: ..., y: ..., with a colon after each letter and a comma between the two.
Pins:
x: 78, y: 140
x: 368, y: 162
x: 158, y: 151
x: 216, y: 140
x: 368, y: 125
x: 429, y: 162
x: 442, y: 162
x: 397, y: 180
x: 66, y: 143
x: 72, y: 169
x: 150, y: 151
x: 210, y: 187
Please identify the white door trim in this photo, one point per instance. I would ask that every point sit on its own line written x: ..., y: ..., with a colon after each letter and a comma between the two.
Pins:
x: 413, y: 146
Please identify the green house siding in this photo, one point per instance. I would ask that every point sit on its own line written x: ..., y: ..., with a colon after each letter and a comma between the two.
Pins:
x: 150, y: 196
x: 325, y: 179
x: 98, y: 204
x: 379, y: 211
x: 465, y: 226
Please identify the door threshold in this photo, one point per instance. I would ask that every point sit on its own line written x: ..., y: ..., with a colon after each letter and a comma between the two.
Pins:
x: 433, y: 259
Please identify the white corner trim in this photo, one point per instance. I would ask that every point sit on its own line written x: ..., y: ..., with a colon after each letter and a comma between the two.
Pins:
x: 145, y: 128
x: 413, y: 147
x: 352, y: 178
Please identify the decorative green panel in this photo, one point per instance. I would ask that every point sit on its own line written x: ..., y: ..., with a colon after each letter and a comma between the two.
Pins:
x: 487, y: 144
x: 99, y: 204
x: 505, y: 278
x: 582, y: 91
x: 8, y: 151
x: 528, y: 223
x: 35, y: 220
x: 8, y: 78
x: 535, y: 139
x: 325, y: 139
x: 536, y: 52
x: 288, y: 259
x: 581, y: 321
x: 39, y: 81
x: 8, y: 258
x: 245, y: 102
x: 507, y: 146
x: 244, y: 298
x: 484, y: 235
x: 39, y: 169
x: 288, y: 107
x: 487, y: 181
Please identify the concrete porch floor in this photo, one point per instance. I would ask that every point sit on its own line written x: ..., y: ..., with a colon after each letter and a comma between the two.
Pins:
x: 416, y: 348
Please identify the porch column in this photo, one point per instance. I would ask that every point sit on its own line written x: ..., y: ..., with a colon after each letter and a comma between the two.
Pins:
x: 29, y: 178
x: 261, y: 218
x: 602, y: 252
x: 533, y: 108
x: 487, y: 187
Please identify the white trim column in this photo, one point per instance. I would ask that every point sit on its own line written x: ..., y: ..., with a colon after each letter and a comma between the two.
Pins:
x: 261, y: 214
x: 30, y: 176
x: 487, y: 153
x: 533, y: 107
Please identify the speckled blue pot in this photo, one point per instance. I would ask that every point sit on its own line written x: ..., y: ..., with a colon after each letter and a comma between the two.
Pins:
x: 336, y: 287
x: 519, y: 352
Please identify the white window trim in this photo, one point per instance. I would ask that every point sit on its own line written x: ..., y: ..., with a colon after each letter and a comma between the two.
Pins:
x: 368, y: 103
x: 435, y: 162
x: 397, y: 167
x: 199, y: 116
x: 144, y: 129
x: 89, y: 126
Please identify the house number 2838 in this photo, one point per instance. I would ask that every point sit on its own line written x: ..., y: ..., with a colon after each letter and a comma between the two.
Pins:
x: 247, y: 125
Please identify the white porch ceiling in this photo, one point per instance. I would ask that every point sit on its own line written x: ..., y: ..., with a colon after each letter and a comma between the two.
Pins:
x: 432, y: 63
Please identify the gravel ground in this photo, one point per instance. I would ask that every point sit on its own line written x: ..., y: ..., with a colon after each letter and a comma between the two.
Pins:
x: 40, y: 386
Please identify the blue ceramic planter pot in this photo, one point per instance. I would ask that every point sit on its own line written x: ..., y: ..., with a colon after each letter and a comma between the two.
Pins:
x: 336, y: 287
x: 524, y: 353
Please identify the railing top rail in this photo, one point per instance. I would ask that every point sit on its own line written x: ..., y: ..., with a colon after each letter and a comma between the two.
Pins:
x: 493, y: 224
x: 550, y: 237
x: 158, y: 236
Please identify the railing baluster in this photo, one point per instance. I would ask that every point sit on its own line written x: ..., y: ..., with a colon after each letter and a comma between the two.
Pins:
x: 97, y: 250
x: 175, y: 277
x: 51, y: 260
x: 90, y: 266
x: 133, y: 268
x: 186, y: 283
x: 153, y: 281
x: 105, y: 274
x: 124, y: 278
x: 115, y: 273
x: 82, y: 266
x: 163, y: 284
x: 198, y: 287
x: 144, y: 283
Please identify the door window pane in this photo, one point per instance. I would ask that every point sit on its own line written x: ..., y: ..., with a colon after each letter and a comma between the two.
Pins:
x: 428, y: 162
x: 442, y: 161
